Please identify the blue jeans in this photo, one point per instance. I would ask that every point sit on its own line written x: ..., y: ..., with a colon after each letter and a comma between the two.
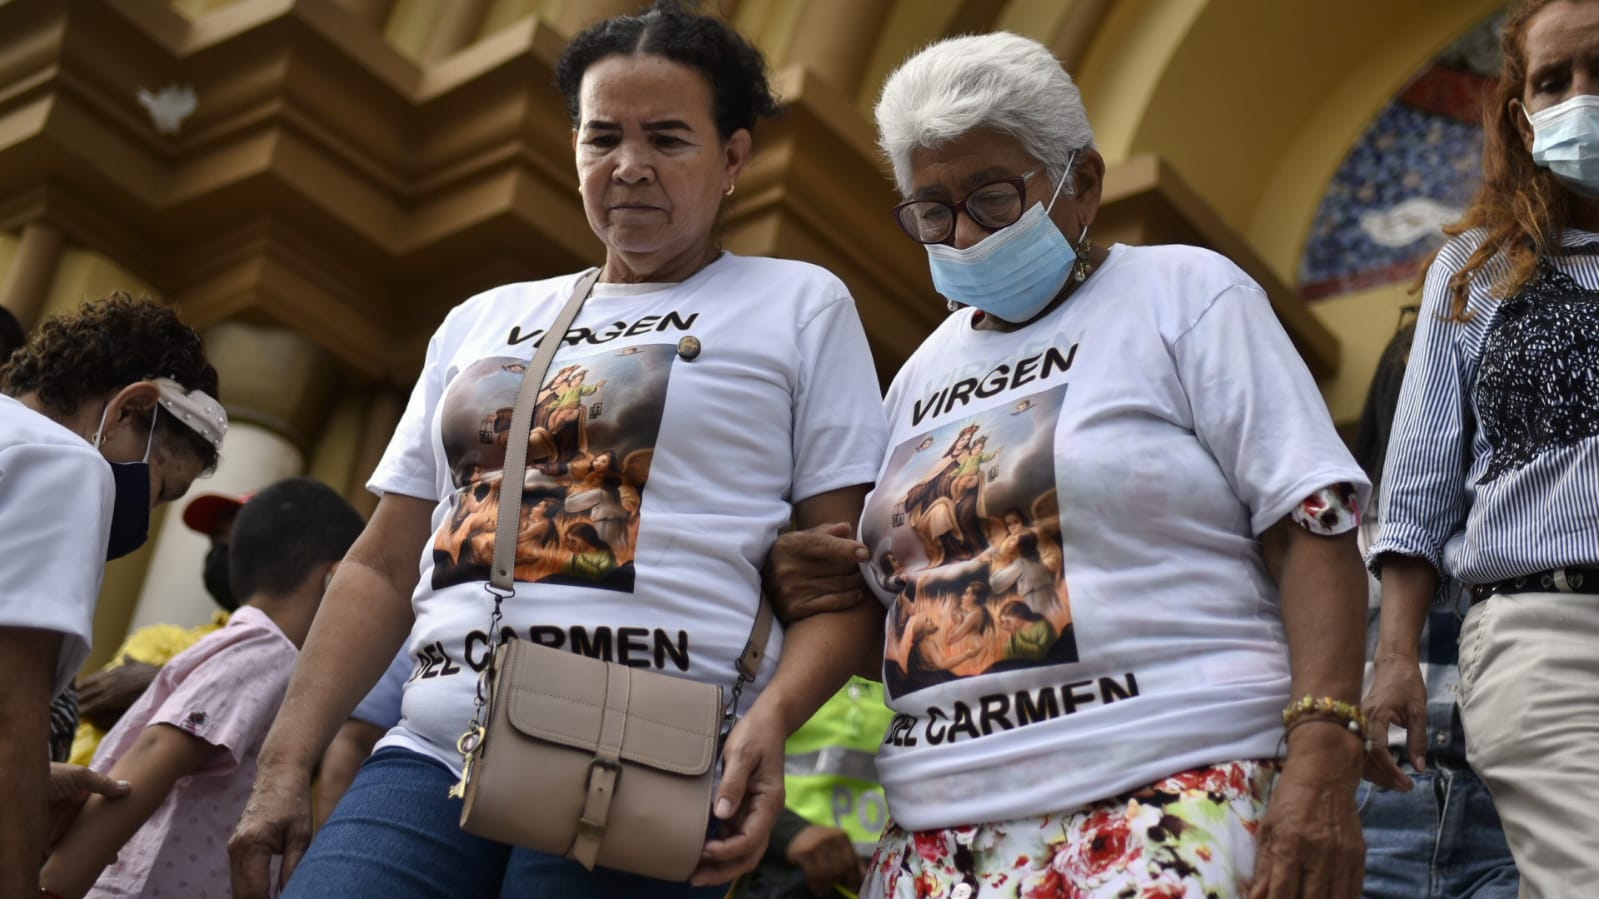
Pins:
x: 396, y: 835
x: 1442, y: 840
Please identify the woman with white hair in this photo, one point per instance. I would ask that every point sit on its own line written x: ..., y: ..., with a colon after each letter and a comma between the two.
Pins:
x: 1185, y: 487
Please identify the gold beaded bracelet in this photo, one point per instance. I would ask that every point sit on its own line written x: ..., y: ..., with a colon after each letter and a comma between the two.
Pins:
x: 1323, y: 708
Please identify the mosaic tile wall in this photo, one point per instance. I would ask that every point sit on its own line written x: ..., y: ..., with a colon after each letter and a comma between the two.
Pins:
x: 1412, y: 172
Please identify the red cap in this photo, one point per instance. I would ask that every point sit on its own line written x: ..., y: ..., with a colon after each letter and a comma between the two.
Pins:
x: 206, y: 511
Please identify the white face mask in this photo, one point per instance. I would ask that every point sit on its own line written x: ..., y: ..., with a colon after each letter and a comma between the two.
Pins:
x: 1565, y: 140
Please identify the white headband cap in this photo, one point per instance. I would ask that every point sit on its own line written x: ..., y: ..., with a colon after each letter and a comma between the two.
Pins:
x: 196, y: 409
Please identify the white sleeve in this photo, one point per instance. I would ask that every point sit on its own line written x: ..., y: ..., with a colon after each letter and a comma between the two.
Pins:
x: 839, y: 429
x: 55, y: 510
x: 1257, y: 410
x: 409, y: 466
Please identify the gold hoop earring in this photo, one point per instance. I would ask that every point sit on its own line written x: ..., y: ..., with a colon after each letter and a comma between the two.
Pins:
x: 730, y: 188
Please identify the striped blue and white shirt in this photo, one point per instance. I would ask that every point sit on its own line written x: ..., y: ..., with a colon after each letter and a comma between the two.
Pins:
x: 1493, y: 466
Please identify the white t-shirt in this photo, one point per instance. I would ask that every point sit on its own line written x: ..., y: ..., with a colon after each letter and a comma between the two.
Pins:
x: 657, y: 480
x: 56, y: 494
x: 1064, y: 532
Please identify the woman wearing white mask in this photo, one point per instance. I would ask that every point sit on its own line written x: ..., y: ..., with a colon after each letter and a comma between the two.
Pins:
x: 104, y: 414
x: 1145, y: 415
x: 1493, y: 466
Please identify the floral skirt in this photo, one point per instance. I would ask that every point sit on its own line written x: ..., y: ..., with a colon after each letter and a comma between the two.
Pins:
x: 1189, y: 836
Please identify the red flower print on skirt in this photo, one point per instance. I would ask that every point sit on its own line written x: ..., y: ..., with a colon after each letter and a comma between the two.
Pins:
x: 1188, y: 836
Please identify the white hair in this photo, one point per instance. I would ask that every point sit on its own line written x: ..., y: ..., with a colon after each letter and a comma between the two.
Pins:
x: 1001, y: 81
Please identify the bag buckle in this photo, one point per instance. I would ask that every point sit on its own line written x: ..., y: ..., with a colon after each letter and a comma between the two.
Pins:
x: 606, y: 764
x: 587, y: 826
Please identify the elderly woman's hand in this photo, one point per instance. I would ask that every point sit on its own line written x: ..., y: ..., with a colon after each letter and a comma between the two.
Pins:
x: 748, y: 799
x: 276, y: 822
x: 1310, y: 842
x: 815, y: 570
x: 70, y: 787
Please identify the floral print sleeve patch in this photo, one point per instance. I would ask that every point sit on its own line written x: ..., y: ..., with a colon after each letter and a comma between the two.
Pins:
x: 1329, y: 511
x: 1189, y: 836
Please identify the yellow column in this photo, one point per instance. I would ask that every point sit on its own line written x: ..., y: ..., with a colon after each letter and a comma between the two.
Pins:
x: 173, y: 592
x: 835, y: 39
x: 382, y: 415
x: 348, y: 450
x: 277, y: 387
x: 33, y: 269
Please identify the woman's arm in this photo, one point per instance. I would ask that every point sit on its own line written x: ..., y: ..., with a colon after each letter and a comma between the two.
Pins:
x: 1398, y: 693
x: 158, y: 758
x: 361, y: 624
x: 1310, y: 839
x: 30, y: 656
x: 819, y: 655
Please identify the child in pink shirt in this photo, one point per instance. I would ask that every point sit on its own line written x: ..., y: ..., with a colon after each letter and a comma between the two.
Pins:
x: 189, y: 745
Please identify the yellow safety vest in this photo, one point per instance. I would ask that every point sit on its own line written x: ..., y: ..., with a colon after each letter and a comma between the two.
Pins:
x: 830, y: 764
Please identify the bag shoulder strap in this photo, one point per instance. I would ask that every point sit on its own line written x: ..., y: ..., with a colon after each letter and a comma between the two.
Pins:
x: 502, y: 572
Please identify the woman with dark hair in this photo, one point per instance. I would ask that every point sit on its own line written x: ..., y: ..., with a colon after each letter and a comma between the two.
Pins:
x: 1493, y: 465
x: 104, y: 414
x: 773, y: 411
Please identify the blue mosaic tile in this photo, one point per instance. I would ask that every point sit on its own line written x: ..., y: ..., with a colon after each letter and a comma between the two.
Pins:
x: 1413, y: 171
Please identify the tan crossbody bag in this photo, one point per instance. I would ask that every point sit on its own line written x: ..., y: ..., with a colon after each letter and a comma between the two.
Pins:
x: 570, y: 755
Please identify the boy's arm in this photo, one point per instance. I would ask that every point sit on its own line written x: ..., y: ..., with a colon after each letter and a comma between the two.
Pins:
x: 160, y: 756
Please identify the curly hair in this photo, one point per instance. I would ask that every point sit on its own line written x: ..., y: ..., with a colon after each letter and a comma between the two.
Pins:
x: 1522, y: 207
x: 734, y: 68
x: 103, y: 347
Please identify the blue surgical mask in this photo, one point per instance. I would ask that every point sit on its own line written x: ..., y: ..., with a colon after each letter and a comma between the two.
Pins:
x: 1565, y: 140
x: 1011, y: 274
x: 130, y: 510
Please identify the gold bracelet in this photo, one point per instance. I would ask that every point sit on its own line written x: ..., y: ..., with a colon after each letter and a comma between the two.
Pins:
x: 1326, y: 708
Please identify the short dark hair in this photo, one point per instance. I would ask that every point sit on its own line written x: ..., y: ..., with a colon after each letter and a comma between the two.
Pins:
x: 734, y: 68
x: 285, y: 533
x: 106, y: 345
x: 12, y: 337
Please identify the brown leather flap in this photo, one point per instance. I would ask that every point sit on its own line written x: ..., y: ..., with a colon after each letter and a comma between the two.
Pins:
x: 672, y: 723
